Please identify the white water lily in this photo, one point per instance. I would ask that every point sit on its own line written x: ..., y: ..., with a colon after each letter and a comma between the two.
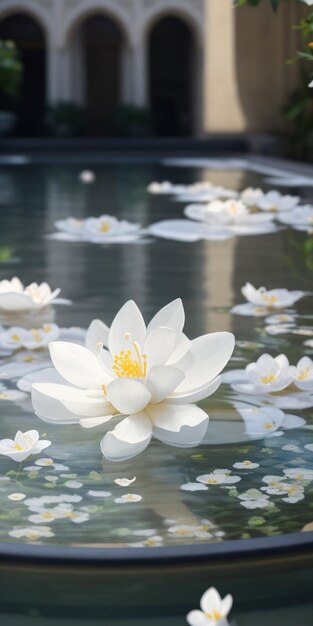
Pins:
x: 128, y: 498
x: 268, y: 374
x: 251, y: 196
x: 271, y: 299
x: 299, y: 473
x: 214, y: 609
x: 302, y: 374
x: 300, y: 219
x: 274, y: 201
x: 103, y: 229
x: 280, y: 318
x: 232, y: 215
x: 16, y: 497
x: 150, y: 374
x: 124, y: 482
x: 246, y: 464
x: 16, y: 338
x: 15, y: 298
x: 23, y: 445
x: 32, y: 533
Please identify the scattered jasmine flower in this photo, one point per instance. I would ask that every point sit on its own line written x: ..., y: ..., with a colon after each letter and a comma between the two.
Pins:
x: 218, y: 477
x: 44, y: 516
x: 128, y: 497
x: 150, y: 375
x: 254, y: 499
x: 124, y: 482
x: 14, y: 297
x: 268, y: 374
x: 99, y: 494
x: 299, y: 473
x: 16, y: 338
x: 23, y: 445
x: 291, y: 448
x: 43, y: 500
x: 73, y: 484
x: 193, y: 487
x: 214, y: 610
x: 87, y: 176
x: 188, y: 530
x: 32, y: 533
x: 16, y: 497
x: 246, y: 465
x: 151, y: 542
x: 47, y: 462
x: 280, y: 318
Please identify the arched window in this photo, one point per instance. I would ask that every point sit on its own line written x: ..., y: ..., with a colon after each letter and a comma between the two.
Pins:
x: 97, y: 55
x: 30, y: 103
x: 172, y: 77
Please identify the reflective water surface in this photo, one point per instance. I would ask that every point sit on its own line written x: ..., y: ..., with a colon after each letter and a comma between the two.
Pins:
x: 174, y: 507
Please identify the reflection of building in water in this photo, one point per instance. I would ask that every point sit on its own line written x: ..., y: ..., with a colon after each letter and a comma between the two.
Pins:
x: 193, y: 62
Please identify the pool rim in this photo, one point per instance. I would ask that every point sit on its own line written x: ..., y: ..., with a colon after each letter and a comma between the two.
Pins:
x: 227, y: 551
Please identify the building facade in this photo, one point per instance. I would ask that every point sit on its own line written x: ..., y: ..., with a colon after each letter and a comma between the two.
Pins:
x: 200, y: 66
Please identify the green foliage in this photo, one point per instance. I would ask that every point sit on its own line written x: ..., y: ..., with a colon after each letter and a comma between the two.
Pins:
x: 133, y: 121
x: 299, y: 115
x: 254, y: 3
x: 10, y: 68
x: 65, y: 119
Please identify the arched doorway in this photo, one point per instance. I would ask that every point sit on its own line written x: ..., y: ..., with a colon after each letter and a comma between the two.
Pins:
x: 171, y: 77
x: 30, y: 103
x: 101, y: 46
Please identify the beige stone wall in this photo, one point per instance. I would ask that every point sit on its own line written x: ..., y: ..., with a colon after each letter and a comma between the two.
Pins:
x: 247, y: 81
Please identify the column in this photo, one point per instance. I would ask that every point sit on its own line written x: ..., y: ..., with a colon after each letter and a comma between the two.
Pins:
x: 222, y: 110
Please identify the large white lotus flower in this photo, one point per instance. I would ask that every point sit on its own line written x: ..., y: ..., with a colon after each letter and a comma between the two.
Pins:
x: 232, y: 214
x: 103, y: 229
x: 274, y: 201
x: 214, y: 610
x: 302, y: 374
x: 150, y: 374
x: 14, y: 297
x: 23, y: 445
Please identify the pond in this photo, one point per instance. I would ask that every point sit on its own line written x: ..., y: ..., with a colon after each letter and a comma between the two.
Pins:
x: 251, y: 477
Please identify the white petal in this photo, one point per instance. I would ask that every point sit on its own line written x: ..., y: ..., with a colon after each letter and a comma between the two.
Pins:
x: 80, y: 402
x: 92, y: 422
x: 97, y: 332
x: 129, y: 438
x: 172, y: 316
x: 210, y: 600
x: 197, y: 618
x: 51, y: 410
x: 211, y: 353
x: 16, y: 302
x: 77, y: 365
x: 162, y: 380
x: 159, y: 346
x: 127, y: 320
x: 128, y: 395
x: 178, y: 425
x: 197, y: 395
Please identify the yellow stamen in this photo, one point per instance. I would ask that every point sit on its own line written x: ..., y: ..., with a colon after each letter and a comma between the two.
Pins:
x: 216, y: 615
x: 4, y: 396
x: 104, y: 227
x: 303, y: 374
x: 15, y: 338
x: 47, y: 328
x: 104, y: 389
x: 125, y: 366
x: 17, y: 446
x: 36, y: 334
x: 212, y: 481
x: 268, y: 379
x: 268, y: 425
x: 28, y: 358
